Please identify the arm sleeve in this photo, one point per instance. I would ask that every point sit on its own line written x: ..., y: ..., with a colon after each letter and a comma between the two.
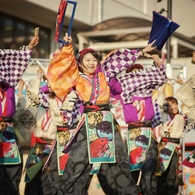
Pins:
x: 176, y: 130
x: 115, y: 87
x: 119, y: 61
x: 63, y: 71
x: 178, y: 127
x: 13, y: 64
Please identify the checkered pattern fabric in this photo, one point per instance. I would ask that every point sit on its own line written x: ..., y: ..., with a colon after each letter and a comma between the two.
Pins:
x: 142, y: 83
x: 74, y: 115
x: 43, y: 100
x: 13, y: 63
x: 118, y: 61
x: 71, y: 116
x: 157, y: 119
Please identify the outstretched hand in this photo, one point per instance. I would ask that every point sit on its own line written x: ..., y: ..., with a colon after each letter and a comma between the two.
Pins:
x: 34, y: 41
x: 67, y: 38
x: 149, y: 47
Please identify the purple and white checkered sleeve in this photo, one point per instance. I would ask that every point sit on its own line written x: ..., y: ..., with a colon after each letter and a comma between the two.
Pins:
x: 13, y: 64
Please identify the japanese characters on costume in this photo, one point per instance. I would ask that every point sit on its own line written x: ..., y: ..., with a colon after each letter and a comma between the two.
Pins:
x: 98, y: 142
x: 13, y: 63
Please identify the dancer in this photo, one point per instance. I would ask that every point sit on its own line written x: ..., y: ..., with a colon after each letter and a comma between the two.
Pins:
x: 169, y: 169
x: 133, y: 88
x: 13, y: 63
x: 98, y: 140
x: 50, y: 124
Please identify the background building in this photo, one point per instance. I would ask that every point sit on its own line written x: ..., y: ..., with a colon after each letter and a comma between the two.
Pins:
x: 100, y: 24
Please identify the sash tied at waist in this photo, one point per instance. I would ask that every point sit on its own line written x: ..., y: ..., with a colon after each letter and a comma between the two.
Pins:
x: 66, y: 127
x: 6, y: 119
x: 171, y: 139
x: 140, y: 124
x: 44, y: 141
x: 89, y: 107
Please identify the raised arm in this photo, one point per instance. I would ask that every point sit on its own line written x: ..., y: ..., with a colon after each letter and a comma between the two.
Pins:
x: 63, y: 72
x: 34, y: 42
x: 147, y: 49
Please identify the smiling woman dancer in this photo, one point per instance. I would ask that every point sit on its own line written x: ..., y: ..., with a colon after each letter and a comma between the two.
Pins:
x: 98, y: 141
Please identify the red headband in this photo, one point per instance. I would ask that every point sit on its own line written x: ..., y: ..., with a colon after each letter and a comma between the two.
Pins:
x: 83, y: 52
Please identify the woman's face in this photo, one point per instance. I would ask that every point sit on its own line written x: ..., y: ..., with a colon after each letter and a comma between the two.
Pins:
x: 172, y: 107
x: 89, y: 64
x: 193, y: 57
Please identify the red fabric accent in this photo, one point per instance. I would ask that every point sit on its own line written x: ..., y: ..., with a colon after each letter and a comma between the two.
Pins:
x: 137, y: 124
x: 46, y: 121
x: 60, y: 18
x: 62, y: 128
x: 63, y: 161
x: 41, y: 141
x: 135, y: 154
x: 164, y: 139
x: 33, y: 140
x: 5, y: 147
x: 190, y: 144
x: 94, y: 107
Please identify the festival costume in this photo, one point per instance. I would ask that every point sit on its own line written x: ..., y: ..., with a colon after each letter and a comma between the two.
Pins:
x: 170, y: 155
x: 185, y: 93
x: 50, y: 114
x: 128, y: 87
x: 67, y: 125
x: 43, y: 138
x: 27, y: 112
x: 139, y: 85
x: 26, y: 109
x: 13, y: 63
x: 98, y: 141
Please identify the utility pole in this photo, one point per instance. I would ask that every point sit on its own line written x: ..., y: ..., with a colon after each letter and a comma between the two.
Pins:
x: 169, y: 15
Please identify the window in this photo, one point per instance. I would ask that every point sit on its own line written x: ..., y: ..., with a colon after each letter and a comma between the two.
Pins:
x: 17, y: 32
